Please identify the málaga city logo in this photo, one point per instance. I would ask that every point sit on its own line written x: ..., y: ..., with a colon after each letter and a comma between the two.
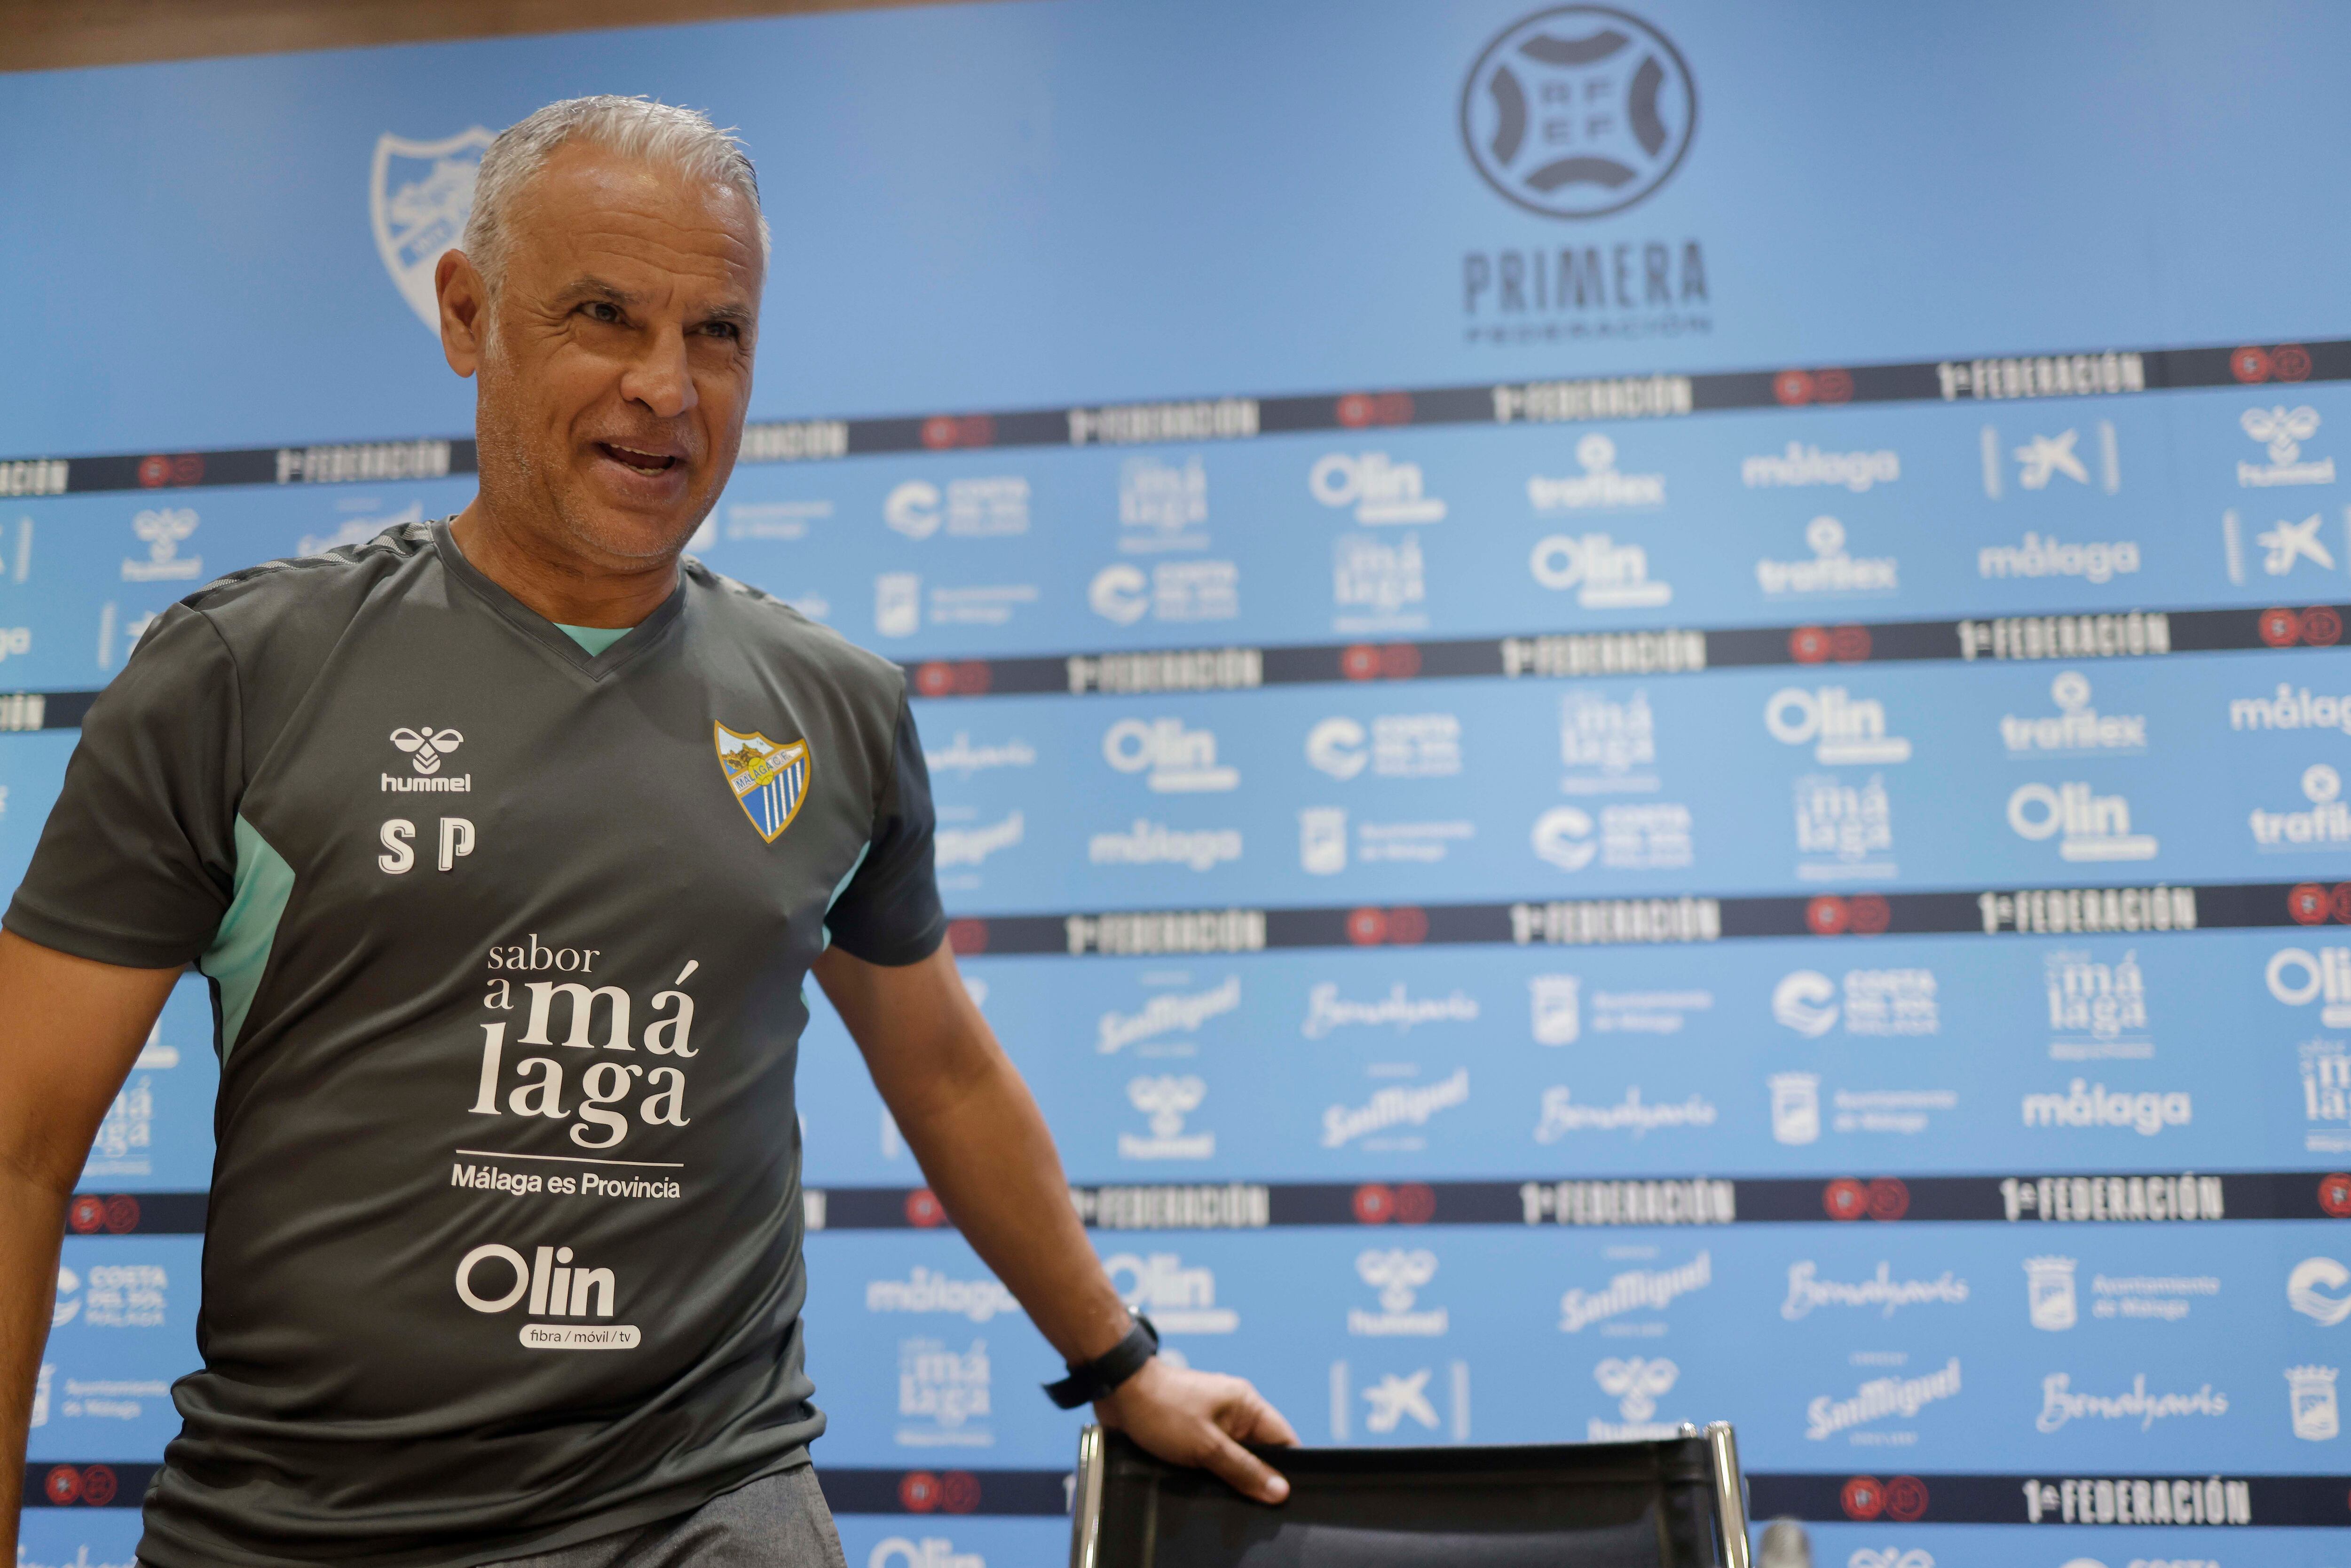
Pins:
x: 1578, y: 111
x: 769, y: 777
x: 420, y: 195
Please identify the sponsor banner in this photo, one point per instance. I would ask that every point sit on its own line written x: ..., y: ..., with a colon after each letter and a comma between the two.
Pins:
x: 1826, y: 1496
x: 2090, y: 635
x: 854, y: 1490
x: 1923, y: 1340
x: 67, y: 1483
x: 1665, y: 919
x: 1941, y: 1055
x: 2107, y: 372
x: 2214, y: 1500
x: 135, y: 1214
x: 2141, y: 1197
x: 24, y: 712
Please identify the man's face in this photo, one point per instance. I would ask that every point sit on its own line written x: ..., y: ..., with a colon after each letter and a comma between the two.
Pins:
x: 614, y: 377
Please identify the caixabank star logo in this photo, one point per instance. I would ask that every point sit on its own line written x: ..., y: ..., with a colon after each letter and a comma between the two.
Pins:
x: 1578, y: 111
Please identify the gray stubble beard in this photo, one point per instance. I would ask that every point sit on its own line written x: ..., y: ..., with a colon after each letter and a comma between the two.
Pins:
x: 501, y: 454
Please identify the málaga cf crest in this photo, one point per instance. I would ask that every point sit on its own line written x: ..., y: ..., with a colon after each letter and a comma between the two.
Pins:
x: 419, y: 196
x: 770, y: 779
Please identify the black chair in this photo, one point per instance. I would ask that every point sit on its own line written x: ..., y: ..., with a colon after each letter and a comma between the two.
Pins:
x: 1675, y: 1503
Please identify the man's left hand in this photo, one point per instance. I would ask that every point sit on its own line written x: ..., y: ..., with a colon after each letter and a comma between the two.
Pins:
x: 1201, y: 1418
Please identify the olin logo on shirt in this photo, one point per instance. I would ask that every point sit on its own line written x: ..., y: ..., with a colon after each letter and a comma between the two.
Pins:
x: 426, y: 748
x: 494, y: 1278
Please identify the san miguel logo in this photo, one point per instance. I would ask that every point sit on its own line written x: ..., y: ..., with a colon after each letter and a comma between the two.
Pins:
x: 769, y: 777
x: 1579, y: 111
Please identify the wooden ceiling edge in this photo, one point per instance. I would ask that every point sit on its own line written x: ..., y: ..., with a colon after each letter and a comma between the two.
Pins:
x: 35, y: 37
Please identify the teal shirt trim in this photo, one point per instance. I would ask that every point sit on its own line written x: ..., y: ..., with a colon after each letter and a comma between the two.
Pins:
x: 595, y: 639
x: 842, y: 885
x: 240, y: 948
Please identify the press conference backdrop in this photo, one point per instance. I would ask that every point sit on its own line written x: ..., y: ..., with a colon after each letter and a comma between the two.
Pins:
x: 1638, y: 714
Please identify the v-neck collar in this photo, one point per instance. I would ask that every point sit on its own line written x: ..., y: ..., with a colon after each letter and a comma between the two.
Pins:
x: 546, y: 632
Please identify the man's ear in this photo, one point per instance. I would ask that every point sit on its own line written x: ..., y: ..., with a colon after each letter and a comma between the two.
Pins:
x: 464, y: 310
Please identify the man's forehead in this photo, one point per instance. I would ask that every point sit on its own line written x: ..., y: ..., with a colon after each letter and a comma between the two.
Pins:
x: 631, y: 224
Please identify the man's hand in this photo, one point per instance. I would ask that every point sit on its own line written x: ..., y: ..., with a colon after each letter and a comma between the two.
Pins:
x: 1201, y: 1418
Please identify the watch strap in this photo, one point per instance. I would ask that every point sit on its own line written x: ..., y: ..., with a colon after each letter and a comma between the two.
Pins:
x: 1095, y: 1379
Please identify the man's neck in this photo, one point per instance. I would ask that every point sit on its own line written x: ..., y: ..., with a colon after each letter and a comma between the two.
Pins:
x: 568, y: 592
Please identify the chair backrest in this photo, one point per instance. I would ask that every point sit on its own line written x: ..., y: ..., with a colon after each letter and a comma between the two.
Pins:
x: 1675, y: 1503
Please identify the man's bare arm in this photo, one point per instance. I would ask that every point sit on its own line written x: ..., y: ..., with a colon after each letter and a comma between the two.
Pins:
x: 983, y: 1144
x: 69, y: 1030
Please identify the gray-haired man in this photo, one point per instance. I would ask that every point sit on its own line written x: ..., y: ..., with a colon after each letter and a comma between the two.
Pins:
x: 507, y: 843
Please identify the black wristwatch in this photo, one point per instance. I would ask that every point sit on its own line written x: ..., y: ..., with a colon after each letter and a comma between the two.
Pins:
x: 1092, y: 1380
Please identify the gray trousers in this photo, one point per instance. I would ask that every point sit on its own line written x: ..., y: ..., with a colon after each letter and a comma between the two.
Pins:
x: 781, y: 1522
x: 777, y: 1521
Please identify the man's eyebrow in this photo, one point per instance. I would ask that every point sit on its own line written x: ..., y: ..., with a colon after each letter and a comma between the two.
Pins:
x: 589, y: 287
x: 592, y: 288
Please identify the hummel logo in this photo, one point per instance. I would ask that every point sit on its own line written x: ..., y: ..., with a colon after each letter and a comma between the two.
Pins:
x: 426, y: 746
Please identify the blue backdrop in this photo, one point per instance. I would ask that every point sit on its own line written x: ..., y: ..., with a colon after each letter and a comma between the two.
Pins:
x: 1638, y: 714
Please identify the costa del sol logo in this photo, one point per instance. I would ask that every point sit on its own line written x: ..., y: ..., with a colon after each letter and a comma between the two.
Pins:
x: 420, y: 195
x: 1578, y: 111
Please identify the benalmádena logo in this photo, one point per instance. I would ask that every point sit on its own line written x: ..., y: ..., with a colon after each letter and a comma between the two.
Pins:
x: 770, y: 779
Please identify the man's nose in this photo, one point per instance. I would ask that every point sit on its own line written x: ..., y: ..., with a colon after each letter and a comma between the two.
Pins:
x: 660, y: 376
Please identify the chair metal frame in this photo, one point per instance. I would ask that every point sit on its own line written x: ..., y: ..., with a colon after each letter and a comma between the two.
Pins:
x: 1722, y: 1448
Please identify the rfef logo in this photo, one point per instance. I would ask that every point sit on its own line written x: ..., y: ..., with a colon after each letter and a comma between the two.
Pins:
x: 1579, y: 111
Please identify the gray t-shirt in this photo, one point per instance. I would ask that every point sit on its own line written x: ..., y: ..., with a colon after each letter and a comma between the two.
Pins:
x: 507, y: 944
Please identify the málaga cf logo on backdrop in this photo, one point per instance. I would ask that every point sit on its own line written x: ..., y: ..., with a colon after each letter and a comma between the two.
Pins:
x: 420, y: 195
x: 1578, y: 111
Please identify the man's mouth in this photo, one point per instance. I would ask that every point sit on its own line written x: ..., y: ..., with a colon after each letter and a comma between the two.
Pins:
x: 647, y: 463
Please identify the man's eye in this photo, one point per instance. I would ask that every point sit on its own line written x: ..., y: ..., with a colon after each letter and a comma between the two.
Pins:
x: 601, y: 311
x: 724, y: 329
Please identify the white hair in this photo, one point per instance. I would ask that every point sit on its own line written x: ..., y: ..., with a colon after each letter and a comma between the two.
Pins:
x: 684, y: 139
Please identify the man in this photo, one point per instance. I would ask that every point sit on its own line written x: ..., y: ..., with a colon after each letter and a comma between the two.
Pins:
x: 507, y: 844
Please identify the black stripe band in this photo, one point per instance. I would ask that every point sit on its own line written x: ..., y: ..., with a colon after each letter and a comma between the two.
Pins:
x: 2098, y: 372
x: 2074, y: 635
x: 2026, y: 1198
